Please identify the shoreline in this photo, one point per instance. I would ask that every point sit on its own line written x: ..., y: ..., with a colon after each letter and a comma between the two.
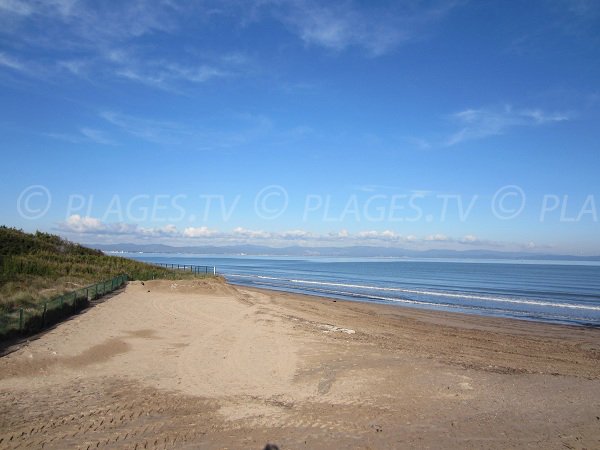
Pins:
x: 457, y: 325
x: 207, y: 364
x: 443, y: 309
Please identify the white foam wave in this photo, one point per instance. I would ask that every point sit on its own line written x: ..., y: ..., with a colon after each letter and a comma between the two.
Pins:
x: 427, y: 292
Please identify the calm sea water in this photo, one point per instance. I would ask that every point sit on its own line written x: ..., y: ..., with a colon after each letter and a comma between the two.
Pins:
x: 566, y: 292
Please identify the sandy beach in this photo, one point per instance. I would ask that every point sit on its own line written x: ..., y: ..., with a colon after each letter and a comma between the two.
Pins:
x: 202, y: 364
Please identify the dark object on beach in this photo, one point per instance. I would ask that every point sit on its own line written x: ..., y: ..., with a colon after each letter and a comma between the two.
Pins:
x: 148, y: 290
x: 142, y: 283
x: 334, y: 301
x: 271, y: 447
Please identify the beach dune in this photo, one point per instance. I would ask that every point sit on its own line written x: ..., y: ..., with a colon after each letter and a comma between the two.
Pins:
x: 203, y: 364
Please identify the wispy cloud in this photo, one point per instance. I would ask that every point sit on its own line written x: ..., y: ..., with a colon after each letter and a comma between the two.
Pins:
x: 422, y: 144
x: 172, y: 133
x: 12, y: 63
x: 97, y: 136
x: 17, y: 7
x: 157, y: 131
x: 166, y: 76
x: 485, y: 122
x: 217, y: 133
x: 96, y: 42
x: 559, y: 21
x: 91, y: 22
x: 85, y: 135
x: 102, y: 42
x: 339, y: 26
x: 75, y: 67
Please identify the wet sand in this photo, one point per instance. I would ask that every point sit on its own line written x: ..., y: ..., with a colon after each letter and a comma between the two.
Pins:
x: 202, y: 364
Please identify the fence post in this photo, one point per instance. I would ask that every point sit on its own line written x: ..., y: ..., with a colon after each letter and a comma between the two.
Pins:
x: 44, y: 315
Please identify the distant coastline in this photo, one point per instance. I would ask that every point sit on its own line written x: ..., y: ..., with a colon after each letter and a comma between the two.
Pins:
x: 337, y: 252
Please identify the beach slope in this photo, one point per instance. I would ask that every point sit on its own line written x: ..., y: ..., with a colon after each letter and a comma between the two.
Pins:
x: 203, y: 364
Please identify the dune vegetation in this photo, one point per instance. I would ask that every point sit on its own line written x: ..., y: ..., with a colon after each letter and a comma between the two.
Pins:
x: 35, y: 267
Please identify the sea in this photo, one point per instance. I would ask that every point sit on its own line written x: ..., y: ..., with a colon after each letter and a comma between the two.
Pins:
x: 565, y: 292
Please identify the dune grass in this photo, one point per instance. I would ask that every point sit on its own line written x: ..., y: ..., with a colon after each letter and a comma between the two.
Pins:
x: 35, y: 267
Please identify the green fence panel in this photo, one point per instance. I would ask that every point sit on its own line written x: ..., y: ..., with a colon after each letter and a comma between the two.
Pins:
x: 35, y: 318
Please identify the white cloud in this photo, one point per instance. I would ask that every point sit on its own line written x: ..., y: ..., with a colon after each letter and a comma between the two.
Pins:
x: 81, y: 224
x: 437, y: 238
x: 91, y: 225
x: 85, y: 224
x: 470, y: 239
x: 386, y: 235
x: 195, y: 232
x: 170, y: 229
x: 296, y: 234
x: 166, y: 231
x: 342, y: 234
x: 485, y: 122
x: 475, y: 241
x: 251, y: 234
x: 94, y: 230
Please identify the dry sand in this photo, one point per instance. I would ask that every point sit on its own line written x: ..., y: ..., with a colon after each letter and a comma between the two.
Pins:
x: 201, y: 364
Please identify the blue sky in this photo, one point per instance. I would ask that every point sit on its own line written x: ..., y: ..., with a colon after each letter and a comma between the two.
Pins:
x: 416, y: 124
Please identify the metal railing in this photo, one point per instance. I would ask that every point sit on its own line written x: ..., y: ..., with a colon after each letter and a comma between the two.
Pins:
x: 198, y: 270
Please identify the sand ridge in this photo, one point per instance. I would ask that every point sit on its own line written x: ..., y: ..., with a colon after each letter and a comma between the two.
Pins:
x: 203, y: 364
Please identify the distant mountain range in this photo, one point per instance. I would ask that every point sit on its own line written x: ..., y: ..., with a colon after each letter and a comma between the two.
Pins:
x: 354, y: 251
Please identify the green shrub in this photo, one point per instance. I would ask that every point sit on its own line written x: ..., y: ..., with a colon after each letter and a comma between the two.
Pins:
x: 35, y: 267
